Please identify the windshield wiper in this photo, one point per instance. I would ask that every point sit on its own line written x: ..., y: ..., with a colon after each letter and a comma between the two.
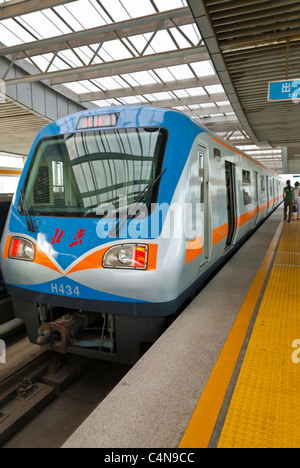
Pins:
x: 145, y: 192
x: 140, y: 198
x: 29, y: 221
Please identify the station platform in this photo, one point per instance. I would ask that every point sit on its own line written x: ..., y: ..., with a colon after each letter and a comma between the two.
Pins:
x: 227, y: 372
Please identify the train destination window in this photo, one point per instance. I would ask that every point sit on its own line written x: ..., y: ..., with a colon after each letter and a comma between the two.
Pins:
x: 74, y: 174
x: 247, y: 187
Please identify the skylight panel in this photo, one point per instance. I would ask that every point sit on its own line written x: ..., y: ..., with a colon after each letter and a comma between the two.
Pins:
x: 181, y: 93
x: 203, y: 68
x: 12, y: 34
x: 207, y: 105
x: 223, y: 103
x: 164, y: 74
x: 162, y: 96
x: 191, y: 31
x: 150, y: 97
x: 58, y: 64
x: 120, y: 83
x: 162, y: 42
x: 108, y: 83
x: 199, y: 91
x: 39, y: 24
x: 54, y: 18
x: 137, y: 8
x: 101, y: 11
x: 69, y: 17
x: 142, y: 78
x: 78, y: 88
x: 214, y: 89
x: 71, y: 58
x: 42, y: 61
x: 116, y: 10
x: 165, y: 5
x: 142, y: 99
x: 181, y: 72
x: 128, y: 78
x: 107, y: 103
x: 139, y: 41
x: 115, y: 50
x: 131, y: 100
x: 180, y: 39
x: 85, y: 13
x: 101, y: 103
x: 85, y: 53
x: 90, y: 87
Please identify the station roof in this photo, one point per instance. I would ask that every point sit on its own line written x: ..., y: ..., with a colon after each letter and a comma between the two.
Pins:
x: 111, y: 52
x: 253, y: 43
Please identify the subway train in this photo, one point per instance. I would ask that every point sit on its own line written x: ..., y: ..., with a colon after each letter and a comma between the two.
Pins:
x: 120, y: 215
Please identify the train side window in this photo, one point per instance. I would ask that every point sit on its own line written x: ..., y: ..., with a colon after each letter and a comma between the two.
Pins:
x: 247, y: 187
x: 263, y: 186
x: 271, y: 188
x: 201, y: 176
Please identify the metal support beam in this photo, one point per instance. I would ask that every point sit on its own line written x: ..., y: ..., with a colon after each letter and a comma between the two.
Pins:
x: 150, y: 89
x: 219, y: 120
x: 211, y: 111
x: 15, y: 8
x: 97, y: 35
x: 177, y: 57
x: 190, y: 101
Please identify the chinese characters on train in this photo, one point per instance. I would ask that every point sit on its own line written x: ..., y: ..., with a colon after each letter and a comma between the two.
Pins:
x: 60, y: 233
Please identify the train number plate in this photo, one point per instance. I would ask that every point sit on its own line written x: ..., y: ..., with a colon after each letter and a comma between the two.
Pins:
x: 65, y: 290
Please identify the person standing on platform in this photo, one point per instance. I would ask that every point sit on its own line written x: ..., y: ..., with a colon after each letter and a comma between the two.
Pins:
x: 289, y: 200
x: 297, y: 198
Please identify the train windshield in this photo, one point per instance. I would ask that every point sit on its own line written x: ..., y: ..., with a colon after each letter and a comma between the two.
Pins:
x: 75, y: 174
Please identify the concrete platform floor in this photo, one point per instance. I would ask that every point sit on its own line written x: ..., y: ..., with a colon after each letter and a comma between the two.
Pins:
x: 153, y: 404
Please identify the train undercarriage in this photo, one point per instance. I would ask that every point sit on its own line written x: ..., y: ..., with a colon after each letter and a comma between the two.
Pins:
x: 112, y: 337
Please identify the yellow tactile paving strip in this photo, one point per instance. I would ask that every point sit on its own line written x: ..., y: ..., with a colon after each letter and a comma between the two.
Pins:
x: 265, y: 407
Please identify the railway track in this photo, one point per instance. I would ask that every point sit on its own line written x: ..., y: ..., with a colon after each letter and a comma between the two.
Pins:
x: 30, y: 380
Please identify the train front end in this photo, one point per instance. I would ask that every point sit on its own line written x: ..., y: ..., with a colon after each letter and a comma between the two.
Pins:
x: 77, y: 256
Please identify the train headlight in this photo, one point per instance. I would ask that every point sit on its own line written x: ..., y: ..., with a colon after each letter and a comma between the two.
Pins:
x: 133, y: 256
x: 21, y: 249
x: 125, y: 256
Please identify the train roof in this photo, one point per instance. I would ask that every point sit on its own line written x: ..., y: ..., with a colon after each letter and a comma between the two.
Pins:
x: 131, y: 115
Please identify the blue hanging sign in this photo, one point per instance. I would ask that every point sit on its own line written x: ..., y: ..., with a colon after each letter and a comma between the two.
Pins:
x: 288, y: 90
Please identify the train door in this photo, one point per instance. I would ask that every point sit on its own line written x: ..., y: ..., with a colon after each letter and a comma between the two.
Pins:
x: 204, y: 203
x: 256, y: 196
x: 272, y: 190
x: 231, y: 201
x: 268, y: 195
